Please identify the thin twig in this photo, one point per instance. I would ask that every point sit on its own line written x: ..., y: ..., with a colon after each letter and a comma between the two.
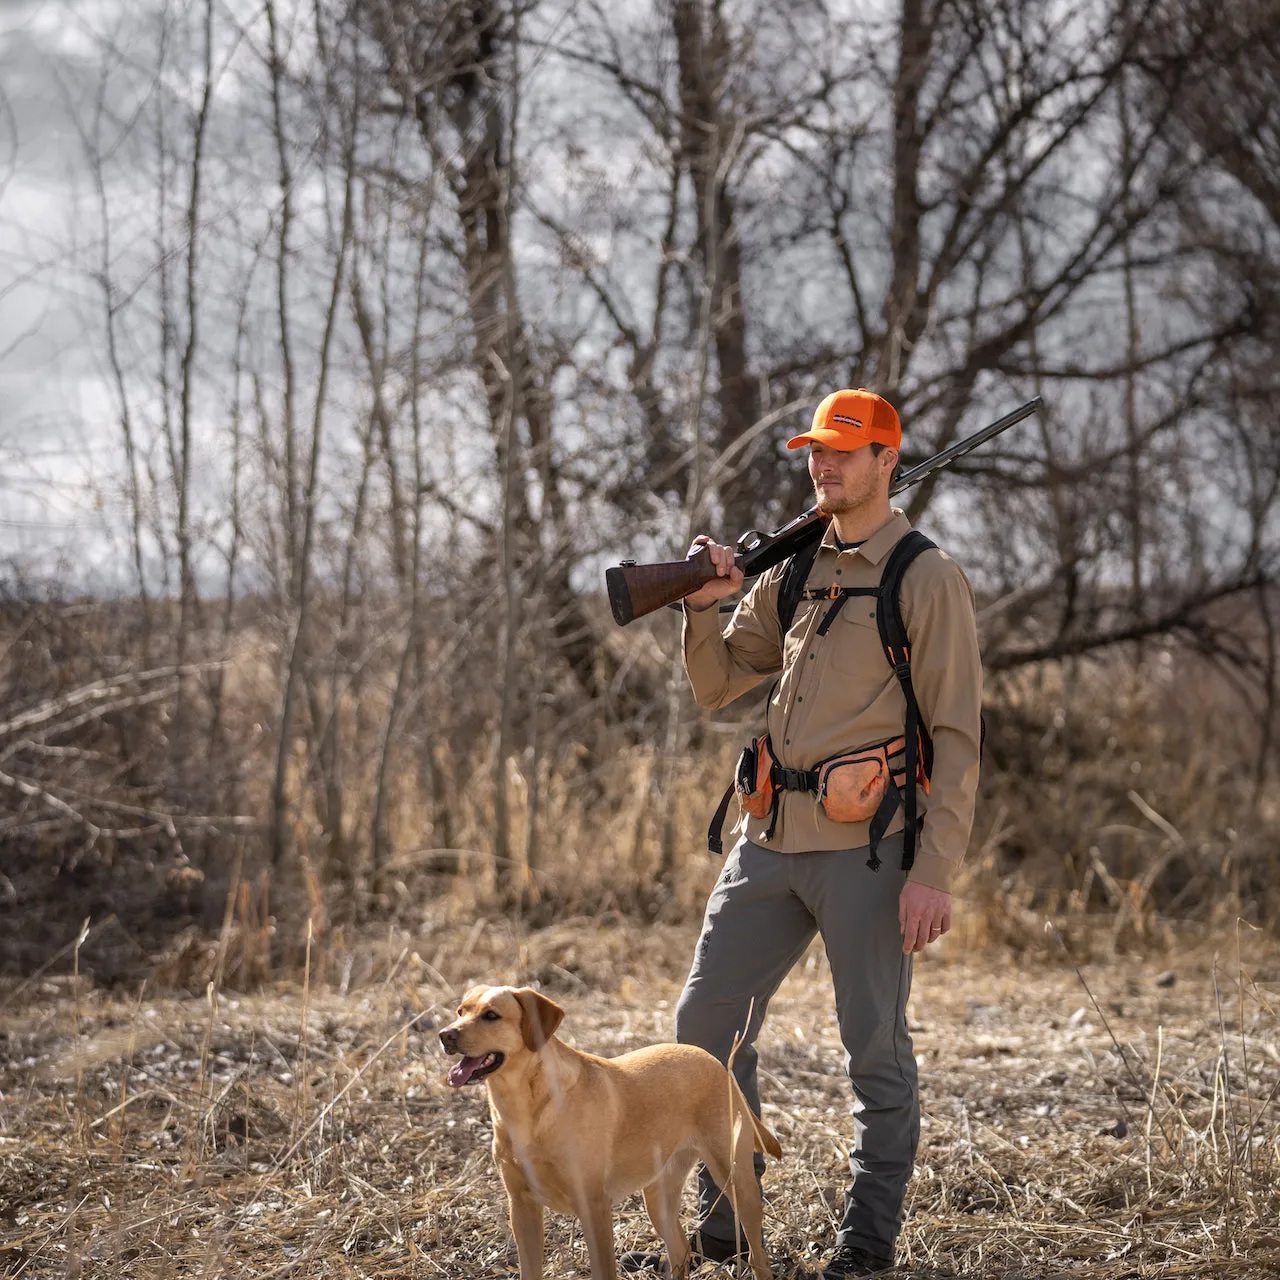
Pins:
x: 1119, y: 1050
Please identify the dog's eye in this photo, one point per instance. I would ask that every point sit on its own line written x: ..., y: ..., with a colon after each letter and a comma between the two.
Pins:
x: 489, y: 1016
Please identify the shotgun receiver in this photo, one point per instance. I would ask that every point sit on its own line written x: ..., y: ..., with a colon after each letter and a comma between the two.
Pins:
x: 638, y: 589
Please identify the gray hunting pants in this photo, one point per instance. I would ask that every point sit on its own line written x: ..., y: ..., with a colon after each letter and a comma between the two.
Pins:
x: 760, y: 918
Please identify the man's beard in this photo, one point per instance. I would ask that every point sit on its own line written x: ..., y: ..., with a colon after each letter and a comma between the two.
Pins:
x: 844, y: 502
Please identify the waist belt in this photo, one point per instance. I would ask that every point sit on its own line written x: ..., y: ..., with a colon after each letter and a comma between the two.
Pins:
x: 794, y: 780
x: 810, y: 781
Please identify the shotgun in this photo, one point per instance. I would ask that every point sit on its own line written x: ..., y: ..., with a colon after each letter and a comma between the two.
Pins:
x: 638, y: 589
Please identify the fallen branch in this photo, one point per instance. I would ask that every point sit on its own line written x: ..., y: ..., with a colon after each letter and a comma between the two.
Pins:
x: 104, y: 688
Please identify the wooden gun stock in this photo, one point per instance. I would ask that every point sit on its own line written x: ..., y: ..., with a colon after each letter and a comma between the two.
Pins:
x: 637, y: 589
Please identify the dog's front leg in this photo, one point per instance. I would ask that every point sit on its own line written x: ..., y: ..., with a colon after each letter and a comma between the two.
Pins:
x: 597, y: 1226
x: 525, y: 1214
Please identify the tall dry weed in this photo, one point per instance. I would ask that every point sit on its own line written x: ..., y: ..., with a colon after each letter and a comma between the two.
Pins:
x: 1121, y: 801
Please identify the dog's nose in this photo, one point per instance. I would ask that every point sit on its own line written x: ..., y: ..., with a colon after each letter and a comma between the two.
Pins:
x: 449, y: 1039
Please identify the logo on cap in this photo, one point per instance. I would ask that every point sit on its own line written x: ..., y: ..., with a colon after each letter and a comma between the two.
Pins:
x: 852, y: 422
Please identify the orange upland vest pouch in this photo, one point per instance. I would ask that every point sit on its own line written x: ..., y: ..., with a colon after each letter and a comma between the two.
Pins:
x: 754, y: 778
x: 851, y: 787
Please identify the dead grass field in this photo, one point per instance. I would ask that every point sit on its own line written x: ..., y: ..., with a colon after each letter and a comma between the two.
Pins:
x: 307, y: 1131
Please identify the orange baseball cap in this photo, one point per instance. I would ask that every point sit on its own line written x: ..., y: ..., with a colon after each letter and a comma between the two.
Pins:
x: 847, y: 420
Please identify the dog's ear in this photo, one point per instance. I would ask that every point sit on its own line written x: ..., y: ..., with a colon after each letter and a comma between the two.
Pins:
x: 541, y: 1017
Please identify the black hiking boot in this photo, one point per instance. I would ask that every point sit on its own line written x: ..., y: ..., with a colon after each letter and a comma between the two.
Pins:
x: 850, y: 1260
x: 705, y: 1249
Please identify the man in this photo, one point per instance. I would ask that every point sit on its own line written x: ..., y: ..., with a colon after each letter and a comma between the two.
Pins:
x: 836, y: 693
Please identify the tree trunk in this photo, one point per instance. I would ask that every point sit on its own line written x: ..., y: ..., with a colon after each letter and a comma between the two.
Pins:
x: 294, y: 669
x: 709, y: 143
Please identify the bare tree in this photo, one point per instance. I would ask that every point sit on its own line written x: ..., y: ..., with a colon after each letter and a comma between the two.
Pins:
x: 416, y: 314
x: 301, y: 577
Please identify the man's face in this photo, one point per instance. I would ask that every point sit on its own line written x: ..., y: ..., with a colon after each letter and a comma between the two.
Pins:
x: 848, y: 480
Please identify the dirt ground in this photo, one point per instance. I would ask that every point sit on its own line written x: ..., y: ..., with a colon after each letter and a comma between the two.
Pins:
x: 1128, y: 1129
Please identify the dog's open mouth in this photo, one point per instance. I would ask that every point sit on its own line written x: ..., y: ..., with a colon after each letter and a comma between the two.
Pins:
x: 473, y: 1070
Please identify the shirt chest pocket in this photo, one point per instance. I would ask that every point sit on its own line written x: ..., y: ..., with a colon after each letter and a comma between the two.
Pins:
x: 853, y: 642
x: 793, y: 643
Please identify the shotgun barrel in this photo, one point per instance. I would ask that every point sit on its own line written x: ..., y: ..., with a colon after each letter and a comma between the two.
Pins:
x: 639, y: 589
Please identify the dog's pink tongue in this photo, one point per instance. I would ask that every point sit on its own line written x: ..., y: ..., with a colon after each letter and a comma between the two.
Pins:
x: 463, y: 1071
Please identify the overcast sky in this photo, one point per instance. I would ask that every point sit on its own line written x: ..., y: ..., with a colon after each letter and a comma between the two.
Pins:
x: 62, y: 480
x: 51, y: 388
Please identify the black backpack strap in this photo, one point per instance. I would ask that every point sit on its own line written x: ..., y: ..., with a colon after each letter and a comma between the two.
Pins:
x: 897, y: 649
x: 880, y: 821
x: 715, y: 841
x: 838, y: 595
x: 794, y: 577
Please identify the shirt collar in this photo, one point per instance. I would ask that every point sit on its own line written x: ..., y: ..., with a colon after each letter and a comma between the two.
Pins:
x: 876, y: 547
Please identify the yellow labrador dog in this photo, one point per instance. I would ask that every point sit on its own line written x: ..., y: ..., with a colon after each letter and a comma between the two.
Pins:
x: 576, y: 1133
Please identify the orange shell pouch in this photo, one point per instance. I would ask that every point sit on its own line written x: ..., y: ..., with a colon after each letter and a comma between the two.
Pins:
x: 754, y: 779
x: 852, y: 786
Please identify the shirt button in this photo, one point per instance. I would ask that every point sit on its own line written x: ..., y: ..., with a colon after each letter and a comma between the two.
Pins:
x: 837, y: 573
x: 788, y: 742
x: 811, y: 657
x: 799, y: 699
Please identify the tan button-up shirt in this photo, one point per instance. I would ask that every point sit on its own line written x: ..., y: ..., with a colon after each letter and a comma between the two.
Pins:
x: 838, y: 693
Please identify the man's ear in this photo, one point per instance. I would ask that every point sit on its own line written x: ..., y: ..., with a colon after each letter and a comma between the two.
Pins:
x: 541, y: 1017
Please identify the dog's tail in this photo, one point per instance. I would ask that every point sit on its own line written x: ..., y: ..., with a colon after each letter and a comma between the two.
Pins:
x: 764, y: 1139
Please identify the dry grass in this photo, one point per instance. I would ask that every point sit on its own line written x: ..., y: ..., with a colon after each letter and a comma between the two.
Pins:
x: 306, y: 1130
x: 1105, y: 789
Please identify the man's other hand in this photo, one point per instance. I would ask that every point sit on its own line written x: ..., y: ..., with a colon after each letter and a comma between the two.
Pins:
x: 924, y: 915
x: 728, y: 576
